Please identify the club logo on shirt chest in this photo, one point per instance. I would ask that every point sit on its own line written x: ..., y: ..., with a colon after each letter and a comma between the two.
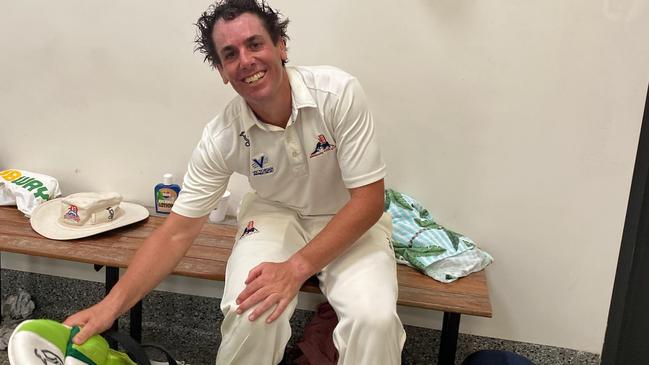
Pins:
x: 322, y: 146
x: 261, y: 165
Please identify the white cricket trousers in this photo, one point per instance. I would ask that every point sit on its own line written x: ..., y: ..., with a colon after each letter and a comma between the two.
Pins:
x: 361, y: 286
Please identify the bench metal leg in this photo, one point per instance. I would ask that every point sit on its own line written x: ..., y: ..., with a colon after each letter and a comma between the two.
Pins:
x: 112, y: 276
x: 448, y: 344
x: 136, y: 322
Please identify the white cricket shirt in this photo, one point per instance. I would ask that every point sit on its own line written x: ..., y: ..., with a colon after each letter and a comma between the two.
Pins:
x: 327, y: 147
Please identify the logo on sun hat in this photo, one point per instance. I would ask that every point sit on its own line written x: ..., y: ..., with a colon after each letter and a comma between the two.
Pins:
x: 84, y: 214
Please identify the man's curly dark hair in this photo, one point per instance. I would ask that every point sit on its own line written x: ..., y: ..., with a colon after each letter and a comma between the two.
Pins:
x: 229, y: 10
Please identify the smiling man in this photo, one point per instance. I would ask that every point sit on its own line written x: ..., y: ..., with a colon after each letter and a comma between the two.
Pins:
x: 305, y: 139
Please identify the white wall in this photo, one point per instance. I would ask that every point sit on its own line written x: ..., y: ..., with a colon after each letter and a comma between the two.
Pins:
x: 515, y: 122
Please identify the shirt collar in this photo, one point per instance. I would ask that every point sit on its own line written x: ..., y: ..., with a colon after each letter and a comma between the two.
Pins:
x: 300, y: 95
x: 299, y: 92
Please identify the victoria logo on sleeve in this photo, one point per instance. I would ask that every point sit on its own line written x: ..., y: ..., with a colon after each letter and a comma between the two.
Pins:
x: 261, y: 165
x: 322, y: 146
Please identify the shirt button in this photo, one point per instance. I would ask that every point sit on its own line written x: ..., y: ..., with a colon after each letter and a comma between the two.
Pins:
x: 295, y: 154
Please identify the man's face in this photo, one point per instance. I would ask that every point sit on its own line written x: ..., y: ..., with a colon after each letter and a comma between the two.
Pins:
x: 249, y: 59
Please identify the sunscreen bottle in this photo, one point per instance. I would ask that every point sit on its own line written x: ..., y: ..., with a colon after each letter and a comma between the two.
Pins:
x: 165, y: 194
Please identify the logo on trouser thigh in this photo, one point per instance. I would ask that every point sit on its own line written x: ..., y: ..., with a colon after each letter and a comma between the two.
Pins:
x: 250, y: 229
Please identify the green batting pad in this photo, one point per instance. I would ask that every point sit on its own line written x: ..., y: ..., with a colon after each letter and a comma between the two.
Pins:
x: 37, y: 342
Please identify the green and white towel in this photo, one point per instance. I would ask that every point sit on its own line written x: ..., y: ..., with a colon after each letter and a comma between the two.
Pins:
x: 422, y: 243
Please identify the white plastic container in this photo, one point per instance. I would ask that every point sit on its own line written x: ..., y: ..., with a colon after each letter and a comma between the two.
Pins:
x: 218, y: 214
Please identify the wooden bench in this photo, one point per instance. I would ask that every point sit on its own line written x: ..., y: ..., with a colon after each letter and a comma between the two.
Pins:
x: 207, y: 257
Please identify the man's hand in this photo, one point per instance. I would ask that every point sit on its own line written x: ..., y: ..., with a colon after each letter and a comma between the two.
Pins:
x: 270, y: 283
x: 93, y: 320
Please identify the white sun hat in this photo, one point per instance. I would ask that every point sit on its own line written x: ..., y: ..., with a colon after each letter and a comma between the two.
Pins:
x: 84, y: 214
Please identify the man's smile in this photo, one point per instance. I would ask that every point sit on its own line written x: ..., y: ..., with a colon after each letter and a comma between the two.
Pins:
x: 252, y: 78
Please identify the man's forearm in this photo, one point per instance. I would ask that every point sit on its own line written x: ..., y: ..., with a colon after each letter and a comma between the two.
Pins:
x: 360, y: 213
x: 154, y: 260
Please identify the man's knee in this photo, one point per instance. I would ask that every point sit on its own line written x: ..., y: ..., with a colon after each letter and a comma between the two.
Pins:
x: 240, y: 326
x: 371, y: 336
x: 379, y: 322
x: 253, y: 342
x: 379, y: 317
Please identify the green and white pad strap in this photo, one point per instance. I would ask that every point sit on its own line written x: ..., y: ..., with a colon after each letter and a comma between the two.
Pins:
x: 46, y: 342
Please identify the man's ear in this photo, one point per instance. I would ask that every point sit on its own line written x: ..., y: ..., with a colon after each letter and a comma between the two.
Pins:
x: 282, y: 49
x: 222, y: 73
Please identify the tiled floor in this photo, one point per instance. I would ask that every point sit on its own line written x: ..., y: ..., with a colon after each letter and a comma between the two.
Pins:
x: 188, y: 325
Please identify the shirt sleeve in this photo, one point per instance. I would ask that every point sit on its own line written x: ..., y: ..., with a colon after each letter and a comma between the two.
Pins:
x: 205, y: 181
x: 359, y: 155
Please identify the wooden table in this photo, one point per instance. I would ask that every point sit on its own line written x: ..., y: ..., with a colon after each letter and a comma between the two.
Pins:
x: 207, y: 257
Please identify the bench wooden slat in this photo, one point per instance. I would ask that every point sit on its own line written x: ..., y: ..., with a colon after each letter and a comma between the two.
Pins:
x: 208, y: 255
x: 91, y: 254
x: 468, y: 295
